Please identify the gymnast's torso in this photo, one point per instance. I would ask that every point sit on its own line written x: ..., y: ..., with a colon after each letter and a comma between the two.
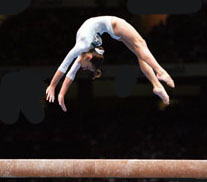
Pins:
x: 92, y: 26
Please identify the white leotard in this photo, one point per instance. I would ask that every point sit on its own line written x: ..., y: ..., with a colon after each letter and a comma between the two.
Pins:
x: 84, y: 38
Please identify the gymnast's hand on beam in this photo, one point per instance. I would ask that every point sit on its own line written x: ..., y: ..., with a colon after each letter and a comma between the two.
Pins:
x: 50, y: 94
x: 62, y: 102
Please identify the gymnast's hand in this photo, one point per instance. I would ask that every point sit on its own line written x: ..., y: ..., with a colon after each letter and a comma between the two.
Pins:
x: 50, y: 94
x: 62, y: 102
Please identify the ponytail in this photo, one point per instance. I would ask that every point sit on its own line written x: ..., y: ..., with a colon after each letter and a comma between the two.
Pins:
x: 97, y: 74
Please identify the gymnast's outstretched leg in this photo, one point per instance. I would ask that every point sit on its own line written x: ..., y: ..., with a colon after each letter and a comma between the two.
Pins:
x: 158, y: 89
x: 135, y: 42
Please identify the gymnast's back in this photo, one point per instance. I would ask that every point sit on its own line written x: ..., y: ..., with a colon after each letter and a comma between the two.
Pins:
x: 95, y: 25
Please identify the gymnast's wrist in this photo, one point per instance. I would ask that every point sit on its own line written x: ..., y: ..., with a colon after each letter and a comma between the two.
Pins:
x: 61, y: 95
x: 52, y: 86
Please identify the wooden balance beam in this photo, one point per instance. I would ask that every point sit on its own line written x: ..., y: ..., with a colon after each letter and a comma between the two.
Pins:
x: 104, y: 168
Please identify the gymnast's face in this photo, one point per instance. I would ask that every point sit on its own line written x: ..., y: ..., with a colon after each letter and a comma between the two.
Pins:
x: 86, y: 61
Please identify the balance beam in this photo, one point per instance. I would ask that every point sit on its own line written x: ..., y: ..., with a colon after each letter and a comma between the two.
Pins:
x: 104, y: 168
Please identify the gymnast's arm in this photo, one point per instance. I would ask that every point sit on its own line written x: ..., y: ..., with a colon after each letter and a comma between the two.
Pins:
x: 64, y: 66
x: 70, y: 76
x: 67, y: 82
x: 50, y: 91
x: 81, y: 46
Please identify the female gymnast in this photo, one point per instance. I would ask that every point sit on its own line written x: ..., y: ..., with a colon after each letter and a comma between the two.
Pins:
x: 89, y: 54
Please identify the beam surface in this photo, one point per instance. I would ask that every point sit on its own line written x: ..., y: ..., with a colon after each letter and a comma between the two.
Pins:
x: 103, y: 168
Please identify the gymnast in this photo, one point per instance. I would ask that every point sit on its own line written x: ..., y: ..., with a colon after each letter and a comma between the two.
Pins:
x: 89, y: 55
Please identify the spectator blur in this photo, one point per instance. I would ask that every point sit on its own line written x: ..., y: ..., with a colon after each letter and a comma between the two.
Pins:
x: 182, y: 39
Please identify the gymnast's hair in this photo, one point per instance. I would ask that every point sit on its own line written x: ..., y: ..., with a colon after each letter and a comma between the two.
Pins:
x: 97, y: 62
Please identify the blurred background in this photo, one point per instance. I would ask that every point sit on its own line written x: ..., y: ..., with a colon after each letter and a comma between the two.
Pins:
x: 116, y: 116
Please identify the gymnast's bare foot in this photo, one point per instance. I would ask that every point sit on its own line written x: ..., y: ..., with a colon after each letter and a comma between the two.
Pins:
x: 160, y: 91
x: 166, y: 78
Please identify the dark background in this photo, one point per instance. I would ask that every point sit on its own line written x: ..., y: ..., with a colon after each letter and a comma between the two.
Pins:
x: 99, y: 123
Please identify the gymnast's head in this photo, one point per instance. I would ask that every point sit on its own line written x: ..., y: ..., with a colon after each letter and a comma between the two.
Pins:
x: 92, y: 61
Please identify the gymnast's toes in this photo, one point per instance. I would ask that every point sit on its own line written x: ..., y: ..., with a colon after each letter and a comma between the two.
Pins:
x: 166, y: 78
x: 162, y: 94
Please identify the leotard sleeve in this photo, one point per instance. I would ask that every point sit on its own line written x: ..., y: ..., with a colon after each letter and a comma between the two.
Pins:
x: 82, y: 45
x: 74, y: 68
